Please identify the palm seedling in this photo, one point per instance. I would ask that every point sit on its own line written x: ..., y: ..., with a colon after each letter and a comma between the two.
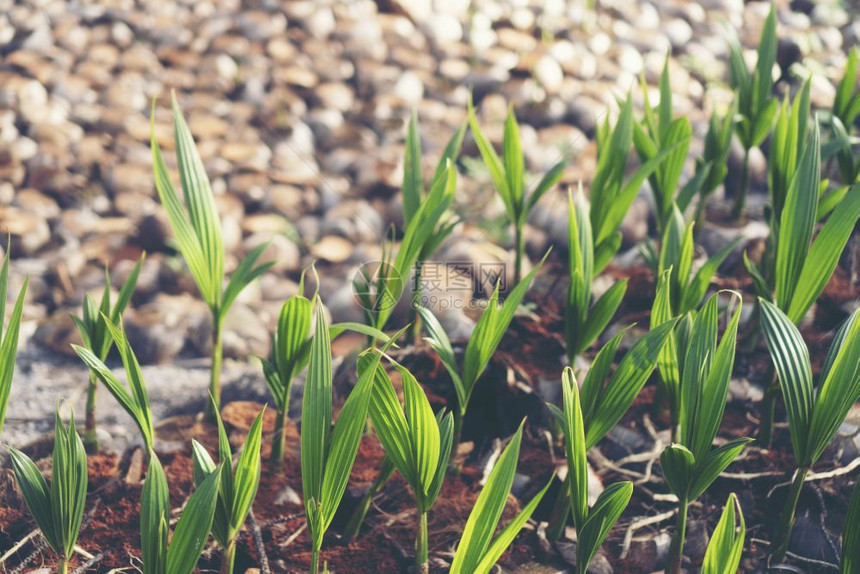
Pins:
x: 592, y: 523
x: 9, y: 337
x: 486, y: 337
x: 183, y: 552
x: 802, y: 266
x: 723, y: 555
x: 414, y: 195
x: 508, y: 175
x: 604, y: 398
x: 380, y: 292
x: 585, y: 319
x: 134, y: 399
x: 691, y: 465
x: 197, y: 231
x: 238, y: 487
x: 756, y: 107
x: 58, y: 507
x: 712, y: 168
x: 679, y: 291
x: 659, y: 131
x: 814, y: 413
x: 677, y: 251
x: 92, y: 326
x: 327, y: 454
x: 477, y: 552
x: 289, y: 355
x: 609, y: 193
x: 851, y: 534
x: 417, y: 443
x: 846, y: 108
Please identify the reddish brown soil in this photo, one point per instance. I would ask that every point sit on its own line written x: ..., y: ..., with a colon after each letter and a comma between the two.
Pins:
x: 532, y: 350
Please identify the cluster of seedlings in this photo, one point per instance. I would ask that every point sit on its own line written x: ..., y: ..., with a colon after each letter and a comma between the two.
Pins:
x: 686, y: 350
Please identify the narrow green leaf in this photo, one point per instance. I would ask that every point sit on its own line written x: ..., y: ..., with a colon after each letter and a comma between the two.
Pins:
x: 794, y: 371
x: 851, y: 534
x: 192, y: 530
x: 726, y: 546
x: 475, y: 541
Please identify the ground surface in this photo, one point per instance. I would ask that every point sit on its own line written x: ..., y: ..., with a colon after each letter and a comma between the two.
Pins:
x: 300, y: 108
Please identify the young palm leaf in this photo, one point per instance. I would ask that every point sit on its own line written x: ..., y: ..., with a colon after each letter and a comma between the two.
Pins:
x: 98, y: 340
x: 414, y: 195
x: 691, y: 465
x: 851, y: 534
x: 482, y: 344
x: 723, y: 555
x: 135, y: 399
x: 417, y: 443
x: 477, y: 551
x: 756, y: 105
x: 592, y: 524
x: 846, y: 108
x: 238, y: 487
x: 191, y: 532
x: 712, y: 167
x: 604, y: 399
x: 610, y: 195
x: 9, y: 337
x: 380, y: 293
x: 327, y: 454
x: 198, y: 237
x: 803, y: 265
x: 677, y: 250
x: 658, y: 131
x: 584, y: 319
x: 814, y: 414
x: 289, y: 355
x: 509, y: 178
x: 58, y: 507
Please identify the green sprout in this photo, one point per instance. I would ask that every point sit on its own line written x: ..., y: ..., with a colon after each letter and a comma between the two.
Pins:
x: 846, y: 108
x: 198, y: 237
x: 379, y: 294
x: 605, y: 397
x: 756, y: 106
x: 238, y: 487
x: 327, y: 454
x: 508, y: 175
x: 58, y: 507
x: 610, y: 194
x: 712, y: 167
x: 134, y: 400
x: 802, y: 265
x: 92, y: 326
x: 183, y: 552
x: 723, y: 555
x: 417, y: 443
x: 9, y: 337
x: 814, y: 414
x: 851, y: 534
x: 477, y: 552
x: 592, y: 523
x: 289, y: 355
x: 585, y: 319
x: 483, y: 343
x: 660, y: 131
x: 414, y: 195
x: 691, y: 465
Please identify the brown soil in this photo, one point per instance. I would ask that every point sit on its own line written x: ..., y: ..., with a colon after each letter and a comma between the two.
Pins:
x: 532, y: 351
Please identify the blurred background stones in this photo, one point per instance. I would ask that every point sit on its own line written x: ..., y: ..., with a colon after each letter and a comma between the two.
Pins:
x: 299, y: 108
